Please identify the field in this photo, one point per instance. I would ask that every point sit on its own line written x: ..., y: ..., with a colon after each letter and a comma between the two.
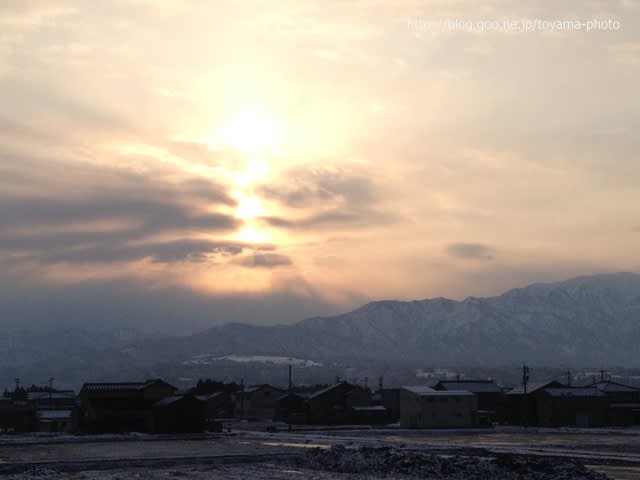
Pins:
x: 250, y: 452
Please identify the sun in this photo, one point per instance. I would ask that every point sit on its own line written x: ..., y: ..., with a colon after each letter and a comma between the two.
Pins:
x: 249, y: 208
x: 251, y: 131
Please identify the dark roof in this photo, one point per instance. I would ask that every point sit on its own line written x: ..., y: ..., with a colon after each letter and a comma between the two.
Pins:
x: 113, y: 386
x: 255, y: 388
x: 67, y: 395
x: 210, y: 396
x: 611, y: 387
x: 535, y: 386
x: 573, y: 392
x: 625, y: 405
x: 176, y: 398
x: 122, y: 386
x: 370, y: 408
x: 475, y: 386
x: 319, y: 393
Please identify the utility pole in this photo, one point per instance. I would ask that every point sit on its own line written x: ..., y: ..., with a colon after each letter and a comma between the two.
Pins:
x: 525, y: 378
x: 525, y: 400
x: 289, y: 400
x: 602, y: 372
x: 366, y: 383
x: 51, y: 379
x: 242, y: 398
x: 569, y: 378
x: 380, y: 384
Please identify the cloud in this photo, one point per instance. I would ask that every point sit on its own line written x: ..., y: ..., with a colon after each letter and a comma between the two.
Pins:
x: 327, y: 198
x: 108, y: 215
x: 265, y: 260
x: 470, y: 251
x: 183, y: 250
x: 627, y: 53
x: 308, y: 187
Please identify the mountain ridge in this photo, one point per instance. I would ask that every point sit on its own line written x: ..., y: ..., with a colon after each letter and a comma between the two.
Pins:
x: 580, y: 319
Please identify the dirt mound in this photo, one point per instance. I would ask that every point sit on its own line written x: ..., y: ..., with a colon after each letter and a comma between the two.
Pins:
x: 390, y: 461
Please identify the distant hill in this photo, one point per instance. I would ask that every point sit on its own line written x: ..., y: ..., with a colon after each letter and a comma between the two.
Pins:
x: 585, y: 321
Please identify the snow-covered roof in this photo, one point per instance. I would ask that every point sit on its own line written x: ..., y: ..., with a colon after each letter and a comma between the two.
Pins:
x: 66, y: 395
x: 210, y: 396
x: 54, y: 414
x: 573, y: 392
x: 475, y: 386
x: 611, y: 387
x: 328, y: 389
x: 625, y: 405
x: 534, y: 387
x: 423, y: 391
x: 168, y: 400
x: 371, y: 408
x: 255, y: 388
x: 122, y: 386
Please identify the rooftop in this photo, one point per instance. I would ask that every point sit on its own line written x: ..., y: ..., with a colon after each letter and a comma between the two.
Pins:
x: 430, y: 392
x: 573, y: 392
x: 475, y: 386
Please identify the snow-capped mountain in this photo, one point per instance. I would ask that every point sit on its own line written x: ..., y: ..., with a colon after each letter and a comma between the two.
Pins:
x: 587, y: 320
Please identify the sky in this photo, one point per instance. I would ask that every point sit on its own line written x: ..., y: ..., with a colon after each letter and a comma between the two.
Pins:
x: 168, y: 165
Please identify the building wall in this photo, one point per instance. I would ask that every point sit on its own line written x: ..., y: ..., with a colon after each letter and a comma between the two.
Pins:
x: 437, y: 411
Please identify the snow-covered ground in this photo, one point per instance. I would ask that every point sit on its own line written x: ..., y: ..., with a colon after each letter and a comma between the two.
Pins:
x: 331, y: 454
x: 207, y: 359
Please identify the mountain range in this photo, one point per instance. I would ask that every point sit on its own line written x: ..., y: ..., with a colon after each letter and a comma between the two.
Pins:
x: 587, y: 320
x: 592, y: 320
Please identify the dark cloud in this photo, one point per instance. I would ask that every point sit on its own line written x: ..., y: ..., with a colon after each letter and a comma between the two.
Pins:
x: 105, y: 215
x: 330, y: 198
x: 265, y: 260
x: 306, y: 188
x: 184, y: 250
x: 332, y: 219
x: 470, y: 251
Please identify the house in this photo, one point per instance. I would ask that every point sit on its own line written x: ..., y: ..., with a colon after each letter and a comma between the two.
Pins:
x: 59, y: 420
x: 180, y: 414
x: 623, y: 408
x: 53, y: 400
x: 490, y: 396
x: 56, y: 410
x: 335, y: 404
x: 425, y: 407
x: 522, y: 405
x: 258, y: 401
x: 571, y: 406
x: 370, y: 415
x: 389, y: 398
x: 121, y: 406
x: 292, y: 408
x: 16, y: 414
x: 217, y: 405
